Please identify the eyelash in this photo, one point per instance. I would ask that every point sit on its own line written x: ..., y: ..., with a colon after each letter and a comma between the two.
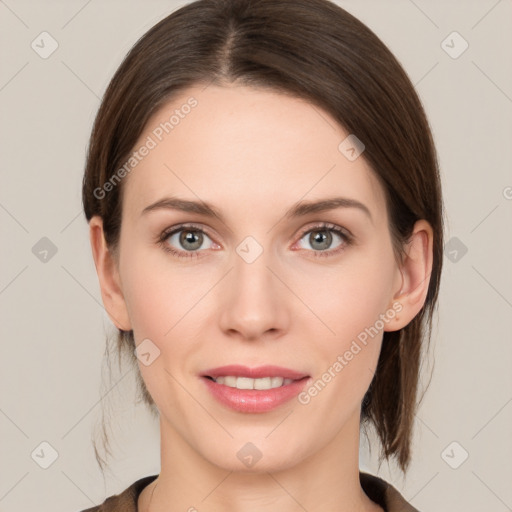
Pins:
x: 322, y: 226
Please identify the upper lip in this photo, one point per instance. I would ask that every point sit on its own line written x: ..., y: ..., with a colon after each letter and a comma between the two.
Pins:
x: 237, y: 370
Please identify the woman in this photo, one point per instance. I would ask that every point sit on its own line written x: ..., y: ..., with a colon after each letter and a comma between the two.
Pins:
x: 265, y: 216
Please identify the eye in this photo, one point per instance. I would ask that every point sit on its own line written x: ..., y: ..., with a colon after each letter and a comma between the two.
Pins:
x: 320, y: 239
x: 185, y: 241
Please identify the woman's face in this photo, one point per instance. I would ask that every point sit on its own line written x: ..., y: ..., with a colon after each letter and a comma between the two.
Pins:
x: 261, y: 284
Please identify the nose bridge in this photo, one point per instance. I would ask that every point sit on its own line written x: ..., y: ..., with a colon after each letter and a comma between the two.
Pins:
x: 251, y: 270
x: 253, y: 303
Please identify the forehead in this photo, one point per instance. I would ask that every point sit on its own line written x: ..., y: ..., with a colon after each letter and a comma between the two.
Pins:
x: 245, y: 147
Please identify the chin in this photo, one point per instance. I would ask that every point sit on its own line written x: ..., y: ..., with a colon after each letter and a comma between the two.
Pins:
x: 253, y: 457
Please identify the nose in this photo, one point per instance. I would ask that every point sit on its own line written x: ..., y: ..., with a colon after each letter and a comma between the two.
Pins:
x: 253, y: 300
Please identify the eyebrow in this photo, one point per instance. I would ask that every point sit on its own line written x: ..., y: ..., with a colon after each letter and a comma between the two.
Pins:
x: 299, y: 209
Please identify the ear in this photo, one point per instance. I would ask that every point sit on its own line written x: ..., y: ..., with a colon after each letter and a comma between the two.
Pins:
x: 108, y: 275
x: 413, y: 277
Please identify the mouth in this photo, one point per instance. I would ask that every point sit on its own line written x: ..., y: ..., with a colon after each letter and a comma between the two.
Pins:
x: 253, y: 390
x: 233, y: 381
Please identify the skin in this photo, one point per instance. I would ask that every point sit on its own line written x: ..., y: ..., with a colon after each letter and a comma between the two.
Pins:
x: 253, y: 153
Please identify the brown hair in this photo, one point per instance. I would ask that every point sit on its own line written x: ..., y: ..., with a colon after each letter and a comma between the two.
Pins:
x: 315, y: 50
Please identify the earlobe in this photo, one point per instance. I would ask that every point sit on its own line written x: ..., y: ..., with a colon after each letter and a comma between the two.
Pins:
x: 108, y: 276
x: 415, y: 275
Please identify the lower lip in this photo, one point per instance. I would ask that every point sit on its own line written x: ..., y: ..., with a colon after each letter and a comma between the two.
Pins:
x: 254, y: 400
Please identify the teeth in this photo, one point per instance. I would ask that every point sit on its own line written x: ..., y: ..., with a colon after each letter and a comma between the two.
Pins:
x: 247, y: 383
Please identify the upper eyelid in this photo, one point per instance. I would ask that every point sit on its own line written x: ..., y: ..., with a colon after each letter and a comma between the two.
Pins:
x: 183, y: 227
x: 328, y: 226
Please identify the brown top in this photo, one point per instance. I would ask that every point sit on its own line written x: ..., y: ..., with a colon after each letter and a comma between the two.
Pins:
x: 375, y: 488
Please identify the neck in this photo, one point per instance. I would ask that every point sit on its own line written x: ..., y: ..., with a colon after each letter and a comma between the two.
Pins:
x: 325, y: 480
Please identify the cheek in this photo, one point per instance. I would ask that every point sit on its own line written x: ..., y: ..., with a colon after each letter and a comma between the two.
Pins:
x: 148, y: 304
x: 158, y: 306
x: 164, y: 301
x: 353, y: 297
x: 353, y: 308
x: 158, y: 292
x: 346, y: 358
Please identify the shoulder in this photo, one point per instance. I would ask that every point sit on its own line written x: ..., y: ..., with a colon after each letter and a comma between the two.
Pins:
x: 126, y: 501
x: 384, y: 494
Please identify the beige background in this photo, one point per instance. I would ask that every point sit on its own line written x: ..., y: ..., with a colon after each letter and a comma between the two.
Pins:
x: 53, y: 323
